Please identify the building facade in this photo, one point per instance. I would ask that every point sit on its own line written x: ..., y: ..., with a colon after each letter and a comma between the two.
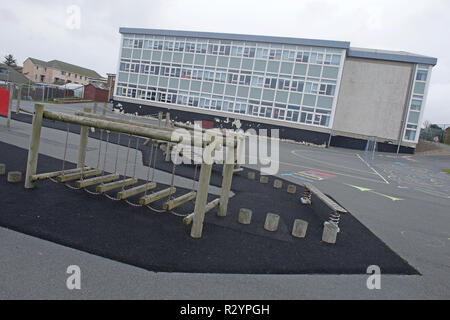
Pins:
x: 312, y: 90
x: 57, y: 72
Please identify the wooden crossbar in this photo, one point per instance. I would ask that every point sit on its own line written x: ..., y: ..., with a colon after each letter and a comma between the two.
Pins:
x: 115, y: 185
x: 157, y: 196
x: 48, y: 175
x: 188, y: 220
x: 75, y: 176
x: 172, y: 204
x: 125, y: 194
x: 96, y: 180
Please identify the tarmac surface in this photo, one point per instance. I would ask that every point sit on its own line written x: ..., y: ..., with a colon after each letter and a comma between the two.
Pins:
x: 410, y: 215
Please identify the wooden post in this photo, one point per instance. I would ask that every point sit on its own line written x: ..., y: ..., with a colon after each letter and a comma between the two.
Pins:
x: 84, y: 132
x: 167, y: 119
x: 227, y: 177
x: 105, y: 107
x: 19, y: 98
x: 35, y: 139
x: 160, y: 116
x: 95, y: 107
x: 200, y: 201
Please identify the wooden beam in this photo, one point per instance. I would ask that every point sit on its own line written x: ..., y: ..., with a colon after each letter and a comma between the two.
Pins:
x: 96, y: 180
x: 157, y: 196
x: 115, y: 185
x: 76, y: 176
x: 33, y: 151
x: 48, y: 175
x: 125, y: 194
x: 172, y: 204
x: 188, y: 220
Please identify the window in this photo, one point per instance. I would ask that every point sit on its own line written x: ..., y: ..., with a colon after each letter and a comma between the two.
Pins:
x: 186, y: 73
x: 274, y: 54
x: 175, y: 72
x: 283, y: 84
x: 145, y: 68
x: 249, y: 52
x: 236, y: 51
x: 416, y: 105
x: 127, y: 43
x: 148, y: 44
x: 134, y: 67
x: 138, y: 43
x: 221, y: 77
x: 422, y: 75
x: 158, y: 44
x: 257, y: 81
x: 244, y: 79
x: 233, y: 78
x: 270, y: 83
x: 262, y: 53
x: 154, y: 70
x: 297, y: 85
x: 288, y: 55
x: 179, y: 46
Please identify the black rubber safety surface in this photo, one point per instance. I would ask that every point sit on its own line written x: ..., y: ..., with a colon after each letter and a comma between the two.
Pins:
x: 161, y: 242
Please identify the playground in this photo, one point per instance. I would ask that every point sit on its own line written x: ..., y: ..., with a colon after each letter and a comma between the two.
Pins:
x: 78, y: 216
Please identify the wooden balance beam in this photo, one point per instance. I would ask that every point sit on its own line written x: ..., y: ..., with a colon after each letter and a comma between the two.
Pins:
x: 75, y: 176
x: 157, y: 196
x: 125, y: 194
x: 115, y: 185
x: 96, y: 180
x: 172, y: 204
x: 48, y: 175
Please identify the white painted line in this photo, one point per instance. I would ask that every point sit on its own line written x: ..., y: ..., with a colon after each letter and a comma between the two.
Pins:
x: 372, y: 168
x: 320, y: 169
x: 329, y: 164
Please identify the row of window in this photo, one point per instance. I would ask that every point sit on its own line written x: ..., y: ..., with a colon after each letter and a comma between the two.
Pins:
x: 417, y: 100
x: 307, y: 115
x: 254, y: 80
x: 305, y: 56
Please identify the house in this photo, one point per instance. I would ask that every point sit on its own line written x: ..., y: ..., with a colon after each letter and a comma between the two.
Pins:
x: 95, y: 92
x: 57, y: 72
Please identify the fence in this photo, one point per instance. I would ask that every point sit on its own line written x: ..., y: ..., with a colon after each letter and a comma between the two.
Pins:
x: 435, y: 133
x: 38, y: 92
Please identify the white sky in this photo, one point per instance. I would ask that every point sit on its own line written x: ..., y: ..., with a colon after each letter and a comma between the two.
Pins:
x: 37, y: 28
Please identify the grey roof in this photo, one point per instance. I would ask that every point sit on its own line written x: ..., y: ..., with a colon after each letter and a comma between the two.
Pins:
x: 239, y: 37
x: 399, y: 56
x: 14, y: 75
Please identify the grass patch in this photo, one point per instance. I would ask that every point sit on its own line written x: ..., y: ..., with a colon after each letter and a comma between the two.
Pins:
x: 447, y: 170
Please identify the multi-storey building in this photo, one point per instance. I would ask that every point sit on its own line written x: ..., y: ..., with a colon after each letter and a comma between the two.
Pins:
x: 312, y: 90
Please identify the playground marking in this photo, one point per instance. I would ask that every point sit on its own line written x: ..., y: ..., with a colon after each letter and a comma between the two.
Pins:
x: 370, y: 190
x: 328, y: 163
x: 297, y: 177
x: 387, y: 182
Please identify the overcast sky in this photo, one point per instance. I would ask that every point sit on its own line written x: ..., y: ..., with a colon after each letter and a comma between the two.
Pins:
x: 38, y: 28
